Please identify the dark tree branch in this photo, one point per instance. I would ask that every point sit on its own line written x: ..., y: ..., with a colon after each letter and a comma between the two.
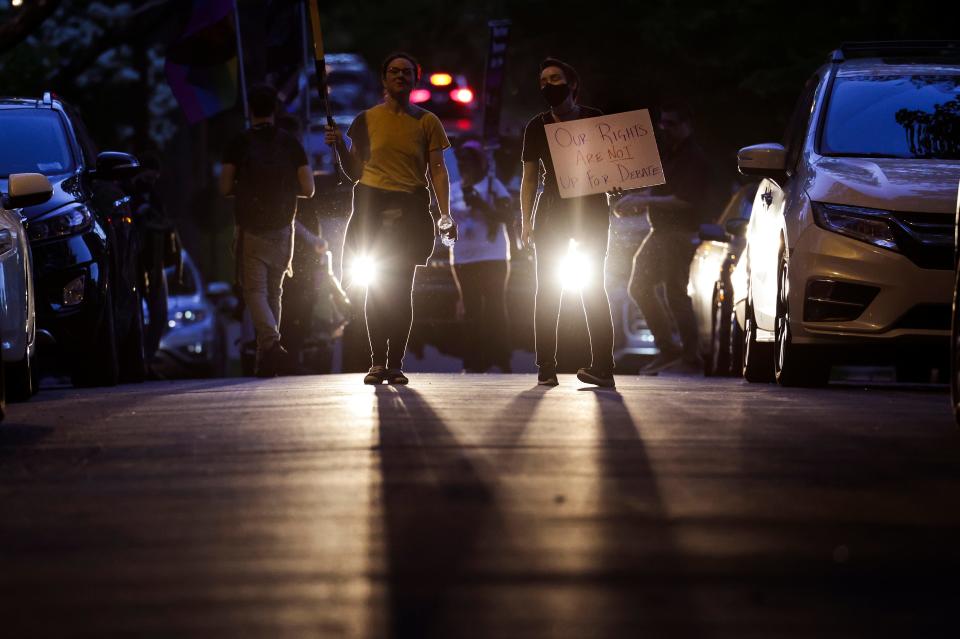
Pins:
x: 23, y: 21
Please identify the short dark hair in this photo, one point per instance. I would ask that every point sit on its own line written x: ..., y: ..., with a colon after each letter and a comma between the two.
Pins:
x: 406, y: 56
x: 678, y: 106
x: 573, y: 78
x: 263, y: 100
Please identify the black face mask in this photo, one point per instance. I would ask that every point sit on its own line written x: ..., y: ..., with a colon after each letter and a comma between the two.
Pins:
x: 555, y: 94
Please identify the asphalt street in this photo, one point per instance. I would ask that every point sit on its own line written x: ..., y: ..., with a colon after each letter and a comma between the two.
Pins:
x: 479, y: 506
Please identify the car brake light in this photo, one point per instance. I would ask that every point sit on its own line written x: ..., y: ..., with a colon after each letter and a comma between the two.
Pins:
x: 419, y: 95
x: 463, y: 96
x: 441, y: 79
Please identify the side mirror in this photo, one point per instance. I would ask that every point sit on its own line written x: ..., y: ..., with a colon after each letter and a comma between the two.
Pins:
x: 27, y: 189
x: 737, y: 227
x: 114, y: 165
x: 712, y: 233
x: 763, y: 160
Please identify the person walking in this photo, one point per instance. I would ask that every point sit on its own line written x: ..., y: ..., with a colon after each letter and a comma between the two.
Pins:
x: 480, y: 259
x: 564, y: 228
x: 394, y: 146
x: 676, y: 210
x: 266, y: 170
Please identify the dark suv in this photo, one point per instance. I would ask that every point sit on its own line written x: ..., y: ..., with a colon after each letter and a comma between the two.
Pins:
x: 85, y: 249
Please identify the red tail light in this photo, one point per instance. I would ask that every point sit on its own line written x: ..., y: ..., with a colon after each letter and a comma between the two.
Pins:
x: 419, y: 95
x: 463, y: 96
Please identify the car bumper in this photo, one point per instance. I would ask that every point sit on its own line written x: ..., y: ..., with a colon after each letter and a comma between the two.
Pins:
x: 908, y: 303
x: 57, y: 264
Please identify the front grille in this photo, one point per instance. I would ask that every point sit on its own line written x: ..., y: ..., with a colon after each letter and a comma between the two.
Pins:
x: 930, y: 317
x: 925, y: 238
x: 830, y: 301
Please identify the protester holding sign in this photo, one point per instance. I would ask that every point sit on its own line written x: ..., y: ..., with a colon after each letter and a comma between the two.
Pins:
x: 563, y: 229
x: 395, y: 144
x: 676, y: 211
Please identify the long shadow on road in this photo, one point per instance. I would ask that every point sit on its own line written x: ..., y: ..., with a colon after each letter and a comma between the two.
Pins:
x: 436, y: 509
x: 641, y: 562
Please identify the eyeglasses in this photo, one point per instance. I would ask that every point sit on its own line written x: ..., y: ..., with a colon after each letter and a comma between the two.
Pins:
x: 400, y: 71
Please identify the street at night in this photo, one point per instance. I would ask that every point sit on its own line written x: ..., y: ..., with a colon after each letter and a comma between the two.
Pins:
x: 480, y: 506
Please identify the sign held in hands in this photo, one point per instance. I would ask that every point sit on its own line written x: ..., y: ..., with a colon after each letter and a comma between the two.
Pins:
x: 596, y: 155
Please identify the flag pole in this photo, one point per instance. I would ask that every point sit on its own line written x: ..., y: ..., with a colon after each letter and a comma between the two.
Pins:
x: 321, y: 73
x: 240, y: 71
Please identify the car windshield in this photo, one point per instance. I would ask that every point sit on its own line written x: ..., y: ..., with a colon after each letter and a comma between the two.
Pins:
x: 898, y: 116
x: 33, y: 141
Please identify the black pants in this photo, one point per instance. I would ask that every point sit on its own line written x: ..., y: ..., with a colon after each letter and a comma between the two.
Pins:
x: 664, y: 258
x: 389, y: 313
x: 550, y: 255
x: 486, y: 331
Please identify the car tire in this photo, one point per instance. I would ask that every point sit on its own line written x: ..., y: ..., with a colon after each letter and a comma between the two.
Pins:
x: 21, y: 378
x: 736, y: 346
x: 133, y: 362
x: 99, y: 365
x: 757, y: 356
x: 3, y: 394
x: 794, y: 365
x: 955, y: 352
x: 718, y: 360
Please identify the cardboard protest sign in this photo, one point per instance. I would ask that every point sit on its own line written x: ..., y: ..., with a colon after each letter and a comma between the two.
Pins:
x: 595, y: 155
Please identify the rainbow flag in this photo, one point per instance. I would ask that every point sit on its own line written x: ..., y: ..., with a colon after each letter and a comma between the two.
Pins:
x: 202, y: 65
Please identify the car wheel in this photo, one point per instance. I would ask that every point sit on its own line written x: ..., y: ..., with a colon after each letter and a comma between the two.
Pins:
x: 955, y: 353
x: 20, y: 379
x: 794, y: 365
x: 98, y: 365
x: 719, y: 356
x: 735, y: 345
x: 757, y: 356
x: 3, y: 394
x: 133, y: 364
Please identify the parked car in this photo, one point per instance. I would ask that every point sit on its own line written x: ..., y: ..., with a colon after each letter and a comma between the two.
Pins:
x: 849, y: 245
x: 955, y: 325
x: 85, y: 250
x: 451, y: 98
x: 352, y: 86
x: 195, y: 343
x: 709, y: 286
x: 18, y: 331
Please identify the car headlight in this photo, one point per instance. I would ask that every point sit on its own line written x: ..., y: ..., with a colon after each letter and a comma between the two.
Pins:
x: 75, y: 219
x: 363, y: 271
x: 574, y: 272
x: 186, y: 317
x: 867, y: 225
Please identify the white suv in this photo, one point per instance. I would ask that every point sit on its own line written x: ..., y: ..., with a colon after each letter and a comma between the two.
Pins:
x: 849, y: 246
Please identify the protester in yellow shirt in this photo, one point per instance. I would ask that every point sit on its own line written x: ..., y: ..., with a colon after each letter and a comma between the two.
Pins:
x: 394, y: 146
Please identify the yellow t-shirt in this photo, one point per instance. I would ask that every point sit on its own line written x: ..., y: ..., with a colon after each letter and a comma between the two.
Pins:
x: 395, y: 147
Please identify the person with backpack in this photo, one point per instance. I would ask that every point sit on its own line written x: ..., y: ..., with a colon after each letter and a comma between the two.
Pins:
x: 395, y: 145
x: 265, y: 169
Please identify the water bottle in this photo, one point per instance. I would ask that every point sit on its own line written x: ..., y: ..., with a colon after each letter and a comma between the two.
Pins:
x: 448, y: 232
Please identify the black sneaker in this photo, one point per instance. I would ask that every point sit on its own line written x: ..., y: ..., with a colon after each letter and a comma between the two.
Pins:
x: 596, y: 376
x: 547, y: 377
x: 273, y: 361
x: 396, y: 376
x: 663, y: 361
x: 376, y: 375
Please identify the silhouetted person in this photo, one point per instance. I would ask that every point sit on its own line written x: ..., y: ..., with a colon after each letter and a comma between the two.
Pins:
x: 395, y: 144
x: 676, y: 210
x: 267, y: 170
x: 563, y: 225
x: 480, y: 259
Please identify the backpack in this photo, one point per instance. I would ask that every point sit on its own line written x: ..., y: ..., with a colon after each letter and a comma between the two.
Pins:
x: 266, y: 183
